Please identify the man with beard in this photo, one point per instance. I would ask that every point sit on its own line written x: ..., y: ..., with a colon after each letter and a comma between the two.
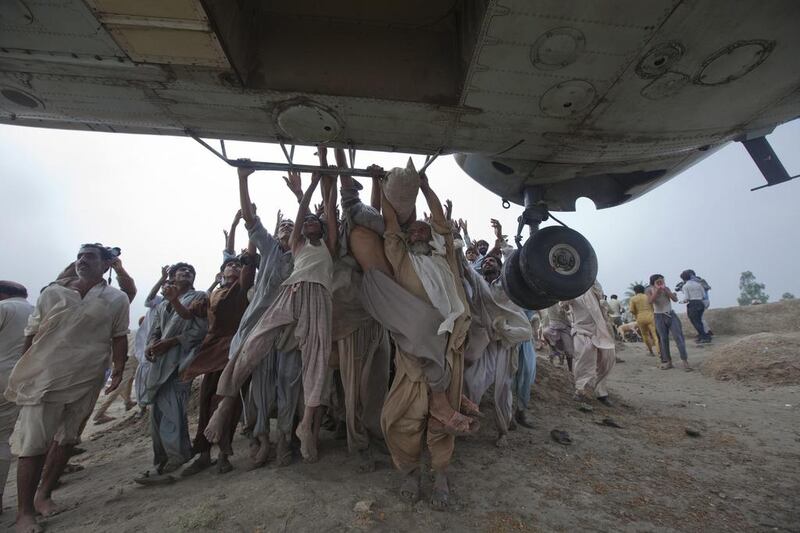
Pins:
x: 304, y: 305
x: 595, y: 350
x: 82, y: 321
x: 476, y: 251
x: 14, y: 313
x: 498, y: 329
x: 175, y: 335
x: 425, y: 396
x: 223, y: 309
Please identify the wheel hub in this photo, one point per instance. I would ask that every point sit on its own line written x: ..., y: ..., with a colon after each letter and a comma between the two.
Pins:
x: 564, y: 259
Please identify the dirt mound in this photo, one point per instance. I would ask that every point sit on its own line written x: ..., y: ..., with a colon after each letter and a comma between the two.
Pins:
x: 765, y: 358
x: 778, y: 317
x: 553, y: 384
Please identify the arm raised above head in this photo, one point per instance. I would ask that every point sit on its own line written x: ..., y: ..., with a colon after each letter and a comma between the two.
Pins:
x: 296, y: 239
x: 248, y: 213
x: 434, y: 204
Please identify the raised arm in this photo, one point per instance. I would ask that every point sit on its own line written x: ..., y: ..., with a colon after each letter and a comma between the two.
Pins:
x: 297, y: 233
x: 332, y: 238
x: 247, y: 276
x: 230, y: 236
x: 434, y: 205
x: 126, y: 283
x: 157, y: 287
x: 500, y: 239
x: 248, y: 213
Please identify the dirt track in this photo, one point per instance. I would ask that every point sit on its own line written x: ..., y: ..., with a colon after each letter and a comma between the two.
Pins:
x: 741, y: 474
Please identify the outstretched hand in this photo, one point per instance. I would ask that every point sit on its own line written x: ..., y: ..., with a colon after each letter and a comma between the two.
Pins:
x: 498, y: 229
x: 448, y: 209
x: 462, y: 224
x: 295, y: 183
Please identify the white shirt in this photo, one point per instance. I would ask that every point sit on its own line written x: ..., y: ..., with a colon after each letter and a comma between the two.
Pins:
x: 693, y: 290
x: 312, y: 264
x: 71, y: 345
x: 14, y: 313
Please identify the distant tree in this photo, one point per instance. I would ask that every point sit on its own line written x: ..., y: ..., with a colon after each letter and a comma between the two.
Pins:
x: 629, y: 293
x: 751, y: 290
x: 787, y: 296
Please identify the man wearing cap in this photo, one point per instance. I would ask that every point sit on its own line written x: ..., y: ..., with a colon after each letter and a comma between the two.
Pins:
x: 14, y: 313
x: 175, y: 335
x: 82, y: 321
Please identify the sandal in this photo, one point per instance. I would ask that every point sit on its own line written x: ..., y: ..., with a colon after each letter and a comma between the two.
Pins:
x: 561, y: 437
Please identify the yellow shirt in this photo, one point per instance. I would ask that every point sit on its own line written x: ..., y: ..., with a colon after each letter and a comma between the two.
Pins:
x: 640, y: 307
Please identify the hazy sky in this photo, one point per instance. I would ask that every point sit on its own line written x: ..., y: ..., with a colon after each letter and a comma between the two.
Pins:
x: 165, y: 199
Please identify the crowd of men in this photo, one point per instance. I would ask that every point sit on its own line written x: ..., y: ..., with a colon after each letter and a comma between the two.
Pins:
x: 391, y: 326
x: 649, y: 317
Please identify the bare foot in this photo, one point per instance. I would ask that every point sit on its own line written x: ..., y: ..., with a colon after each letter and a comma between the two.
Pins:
x: 103, y: 419
x: 284, y: 451
x: 502, y: 441
x: 440, y: 495
x: 27, y: 524
x: 219, y: 420
x: 255, y: 445
x: 46, y: 507
x: 308, y: 448
x: 366, y: 463
x: 223, y: 464
x: 410, y: 489
x: 262, y: 454
x: 522, y: 419
x: 199, y: 464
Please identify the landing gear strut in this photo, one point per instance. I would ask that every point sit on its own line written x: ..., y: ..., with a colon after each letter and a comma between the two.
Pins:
x: 555, y: 264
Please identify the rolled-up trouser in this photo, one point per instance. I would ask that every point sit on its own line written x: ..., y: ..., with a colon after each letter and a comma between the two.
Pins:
x: 47, y: 422
x: 666, y: 324
x: 695, y: 310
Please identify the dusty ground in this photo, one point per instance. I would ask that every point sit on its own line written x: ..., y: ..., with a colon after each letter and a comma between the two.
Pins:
x: 741, y: 474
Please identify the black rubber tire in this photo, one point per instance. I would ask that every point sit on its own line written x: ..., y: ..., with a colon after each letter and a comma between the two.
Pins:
x: 518, y: 291
x: 565, y: 282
